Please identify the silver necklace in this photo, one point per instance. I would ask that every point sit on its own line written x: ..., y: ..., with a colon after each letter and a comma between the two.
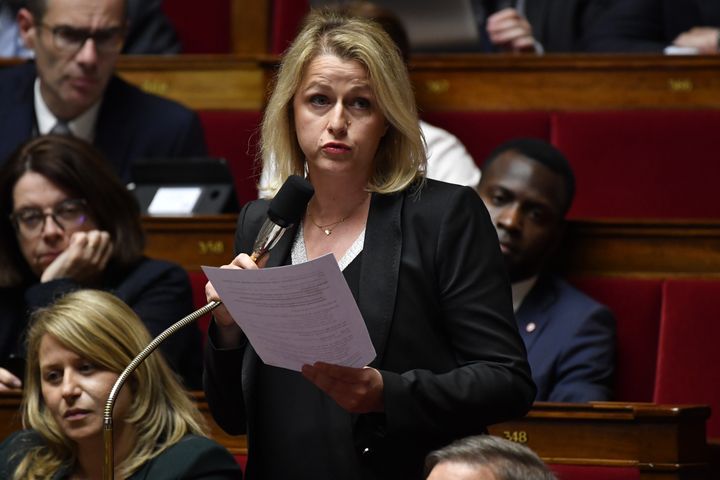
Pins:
x: 328, y: 228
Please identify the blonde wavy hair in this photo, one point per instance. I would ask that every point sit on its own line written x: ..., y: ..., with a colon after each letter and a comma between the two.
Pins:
x: 102, y: 329
x: 401, y: 158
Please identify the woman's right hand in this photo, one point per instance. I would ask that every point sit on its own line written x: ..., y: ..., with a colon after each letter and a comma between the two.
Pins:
x: 83, y: 260
x: 229, y: 330
x: 8, y: 381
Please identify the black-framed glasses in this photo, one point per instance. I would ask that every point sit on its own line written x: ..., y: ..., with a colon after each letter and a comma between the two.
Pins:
x: 70, y: 39
x: 68, y: 214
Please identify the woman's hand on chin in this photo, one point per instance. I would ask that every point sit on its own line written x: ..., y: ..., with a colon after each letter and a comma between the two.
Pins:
x: 83, y: 260
x: 8, y: 381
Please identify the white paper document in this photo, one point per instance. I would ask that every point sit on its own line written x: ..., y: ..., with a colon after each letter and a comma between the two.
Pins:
x: 297, y: 314
x: 174, y: 200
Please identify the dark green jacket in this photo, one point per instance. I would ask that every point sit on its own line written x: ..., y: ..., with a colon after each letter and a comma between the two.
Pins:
x: 193, y: 457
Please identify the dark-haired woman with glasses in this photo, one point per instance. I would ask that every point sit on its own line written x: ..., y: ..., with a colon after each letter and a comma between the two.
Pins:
x: 68, y: 223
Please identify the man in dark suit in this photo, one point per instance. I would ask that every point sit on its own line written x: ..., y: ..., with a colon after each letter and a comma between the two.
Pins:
x: 71, y: 88
x: 673, y: 26
x: 537, y: 25
x: 528, y: 186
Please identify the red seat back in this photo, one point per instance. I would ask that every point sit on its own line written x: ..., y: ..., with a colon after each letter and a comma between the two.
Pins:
x: 688, y: 365
x: 642, y: 164
x: 201, y: 30
x: 287, y: 15
x: 594, y: 472
x: 481, y: 132
x: 197, y: 282
x: 636, y: 305
x: 234, y: 135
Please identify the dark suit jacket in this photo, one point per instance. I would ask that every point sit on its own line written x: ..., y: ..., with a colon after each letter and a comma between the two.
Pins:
x: 559, y: 25
x: 436, y: 300
x: 193, y: 457
x: 159, y: 292
x: 131, y: 124
x: 648, y: 25
x: 571, y: 348
x: 151, y: 32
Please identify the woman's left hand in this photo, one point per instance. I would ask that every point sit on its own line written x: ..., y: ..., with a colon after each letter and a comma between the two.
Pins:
x: 84, y: 259
x: 8, y: 381
x: 357, y: 390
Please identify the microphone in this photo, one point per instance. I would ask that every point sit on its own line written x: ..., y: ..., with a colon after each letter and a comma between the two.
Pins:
x: 285, y: 210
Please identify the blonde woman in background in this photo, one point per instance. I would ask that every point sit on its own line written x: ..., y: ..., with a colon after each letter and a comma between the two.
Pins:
x: 76, y: 350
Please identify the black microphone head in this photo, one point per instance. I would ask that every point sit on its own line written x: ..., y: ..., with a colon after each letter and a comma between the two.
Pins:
x: 290, y: 202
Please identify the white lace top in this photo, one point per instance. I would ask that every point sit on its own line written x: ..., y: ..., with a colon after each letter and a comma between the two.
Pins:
x: 299, y: 253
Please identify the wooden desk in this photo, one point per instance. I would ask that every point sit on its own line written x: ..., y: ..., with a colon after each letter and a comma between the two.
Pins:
x: 565, y: 82
x: 461, y: 82
x: 456, y: 82
x: 201, y: 82
x: 663, y: 441
x: 645, y: 248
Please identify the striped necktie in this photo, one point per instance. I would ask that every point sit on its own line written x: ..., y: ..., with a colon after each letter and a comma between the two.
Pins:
x: 61, y: 128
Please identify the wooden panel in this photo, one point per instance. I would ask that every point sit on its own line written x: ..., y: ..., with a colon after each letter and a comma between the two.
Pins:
x: 446, y: 82
x: 642, y: 248
x: 622, y: 248
x: 10, y: 419
x: 201, y: 82
x: 463, y: 82
x: 565, y: 82
x: 192, y: 241
x: 662, y: 441
x: 250, y: 27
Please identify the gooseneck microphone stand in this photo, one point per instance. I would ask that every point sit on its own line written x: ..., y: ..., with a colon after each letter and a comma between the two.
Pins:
x: 285, y: 209
x: 108, y: 470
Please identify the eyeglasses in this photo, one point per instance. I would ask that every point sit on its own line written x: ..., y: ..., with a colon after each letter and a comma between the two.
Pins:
x: 71, y: 40
x: 68, y: 214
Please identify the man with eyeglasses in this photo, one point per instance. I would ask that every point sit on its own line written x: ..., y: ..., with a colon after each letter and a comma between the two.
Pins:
x: 71, y: 88
x: 150, y: 31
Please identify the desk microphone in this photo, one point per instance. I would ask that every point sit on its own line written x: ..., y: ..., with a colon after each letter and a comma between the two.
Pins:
x: 285, y: 210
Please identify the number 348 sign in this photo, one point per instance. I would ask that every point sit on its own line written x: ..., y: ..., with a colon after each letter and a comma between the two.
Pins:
x: 517, y: 436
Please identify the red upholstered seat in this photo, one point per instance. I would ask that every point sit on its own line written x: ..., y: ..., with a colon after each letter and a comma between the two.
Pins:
x: 287, y: 16
x: 636, y: 304
x: 197, y: 282
x: 233, y: 135
x: 642, y: 164
x: 481, y: 132
x: 688, y: 365
x: 592, y: 472
x: 201, y: 30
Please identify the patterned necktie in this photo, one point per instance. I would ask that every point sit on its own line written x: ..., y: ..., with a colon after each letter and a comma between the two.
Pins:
x: 61, y: 128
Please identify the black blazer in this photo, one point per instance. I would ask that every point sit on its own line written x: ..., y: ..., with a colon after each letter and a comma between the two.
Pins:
x: 131, y: 124
x: 193, y: 457
x: 151, y: 32
x: 559, y: 25
x: 436, y: 300
x: 648, y: 25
